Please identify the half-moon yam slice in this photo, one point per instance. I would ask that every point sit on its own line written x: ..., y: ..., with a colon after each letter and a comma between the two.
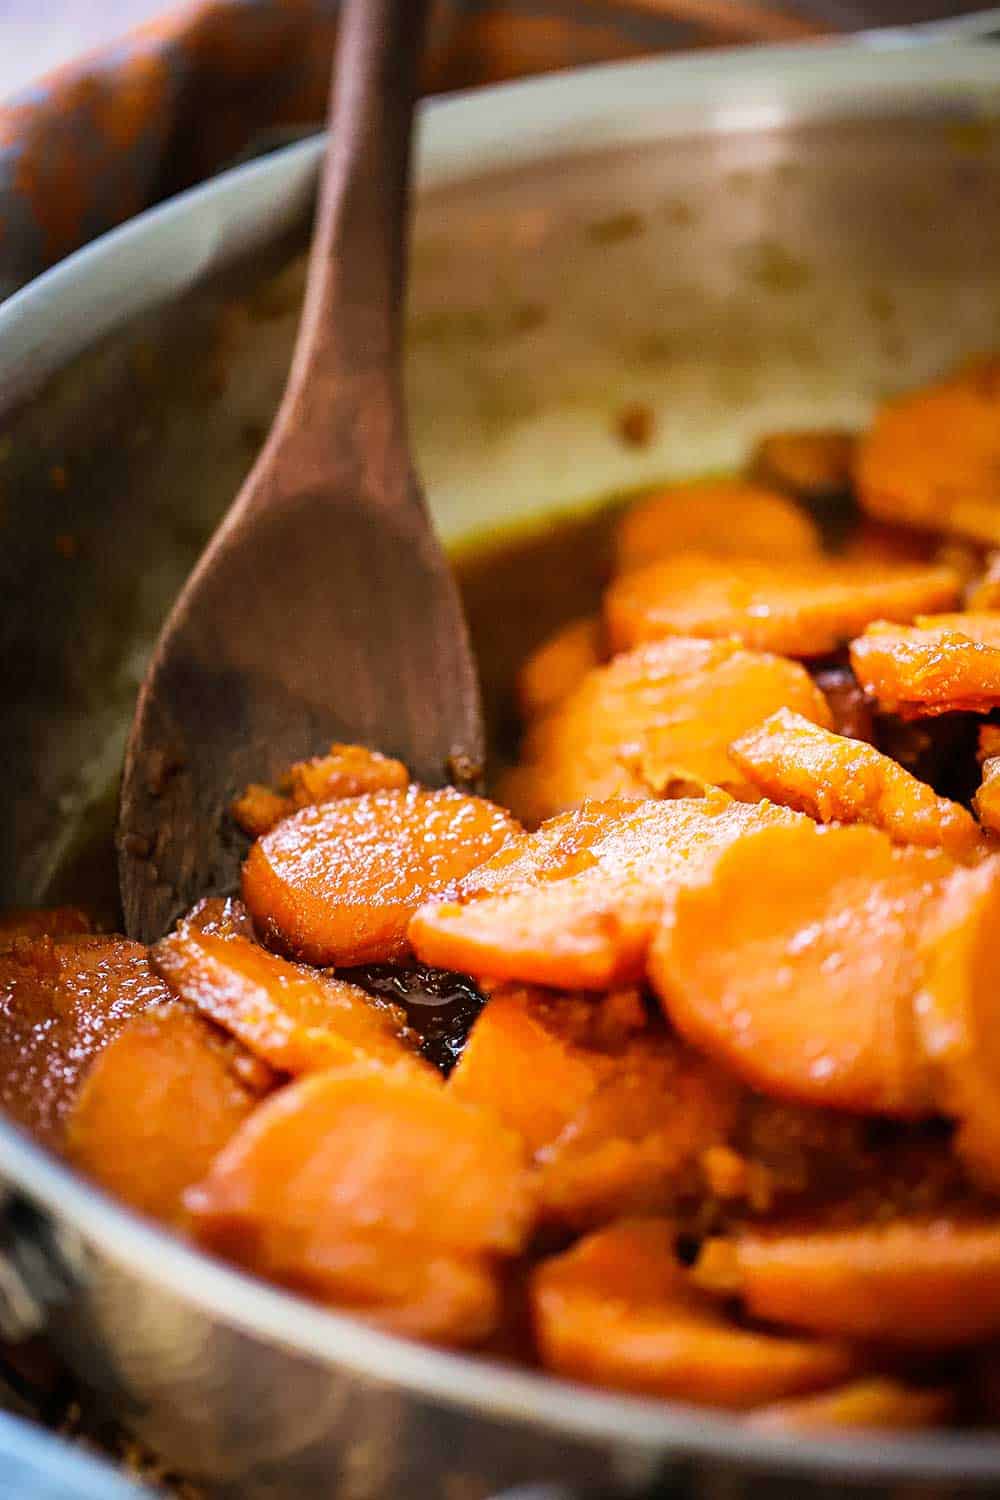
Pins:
x: 932, y: 457
x: 378, y: 1192
x: 619, y: 1310
x: 917, y: 1283
x: 800, y: 609
x: 835, y: 779
x: 293, y: 1018
x: 575, y: 904
x: 918, y: 672
x: 723, y: 517
x: 345, y: 771
x: 794, y: 962
x: 156, y: 1107
x: 656, y: 722
x: 559, y: 665
x: 337, y: 884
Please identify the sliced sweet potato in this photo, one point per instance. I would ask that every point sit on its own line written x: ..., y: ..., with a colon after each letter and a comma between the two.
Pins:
x: 377, y: 1191
x: 158, y: 1104
x: 23, y: 924
x: 616, y: 1114
x: 918, y: 672
x: 932, y: 457
x: 618, y: 1310
x: 337, y: 884
x: 291, y: 1017
x: 656, y: 722
x: 956, y: 1014
x: 814, y: 464
x: 794, y: 962
x: 879, y: 1402
x: 61, y: 1001
x: 920, y: 1283
x: 802, y: 609
x: 982, y: 625
x: 346, y: 771
x: 576, y: 904
x: 987, y: 798
x: 724, y: 517
x: 559, y: 665
x: 834, y: 779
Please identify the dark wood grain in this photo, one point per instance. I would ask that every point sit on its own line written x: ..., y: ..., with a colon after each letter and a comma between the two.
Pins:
x: 323, y: 608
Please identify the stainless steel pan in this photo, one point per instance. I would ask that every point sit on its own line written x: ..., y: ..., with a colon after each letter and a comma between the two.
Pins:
x: 735, y: 240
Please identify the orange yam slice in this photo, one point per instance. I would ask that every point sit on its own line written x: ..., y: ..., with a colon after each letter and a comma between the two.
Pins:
x: 61, y: 1001
x: 289, y: 1016
x: 656, y: 722
x: 813, y: 463
x: 576, y: 904
x: 919, y: 1283
x: 346, y: 771
x: 982, y: 625
x: 987, y: 798
x: 615, y: 1114
x: 834, y: 779
x: 878, y: 1402
x: 559, y: 665
x: 794, y: 608
x: 956, y: 1015
x: 156, y: 1107
x: 794, y: 962
x: 337, y: 884
x: 376, y: 1191
x: 618, y: 1310
x: 932, y: 457
x: 721, y: 517
x: 918, y: 672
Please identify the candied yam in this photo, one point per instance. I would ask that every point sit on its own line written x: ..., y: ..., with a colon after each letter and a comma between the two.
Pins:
x: 794, y: 962
x: 346, y: 771
x: 794, y: 608
x: 377, y: 1191
x: 725, y: 517
x: 834, y: 779
x: 956, y: 1014
x: 156, y: 1107
x: 815, y: 464
x: 987, y: 798
x: 575, y: 904
x: 981, y: 625
x: 656, y: 722
x: 879, y: 1401
x: 289, y: 1016
x: 559, y: 665
x: 22, y: 924
x: 616, y: 1115
x: 932, y: 457
x: 61, y: 1001
x: 618, y: 1310
x: 929, y: 1283
x: 337, y: 884
x: 918, y: 672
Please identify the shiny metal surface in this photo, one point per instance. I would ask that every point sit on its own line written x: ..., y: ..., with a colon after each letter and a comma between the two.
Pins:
x: 737, y: 244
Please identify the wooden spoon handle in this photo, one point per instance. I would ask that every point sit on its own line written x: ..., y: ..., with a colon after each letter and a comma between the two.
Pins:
x: 358, y: 258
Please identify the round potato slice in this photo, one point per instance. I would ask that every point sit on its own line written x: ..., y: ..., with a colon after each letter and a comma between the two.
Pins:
x: 723, y: 517
x: 932, y: 458
x: 618, y: 1310
x: 795, y: 608
x: 337, y: 884
x: 919, y: 1283
x: 656, y: 722
x: 794, y: 961
x: 920, y: 671
x: 835, y: 779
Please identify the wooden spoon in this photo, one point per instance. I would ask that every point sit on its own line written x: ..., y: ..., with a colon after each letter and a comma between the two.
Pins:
x: 323, y: 608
